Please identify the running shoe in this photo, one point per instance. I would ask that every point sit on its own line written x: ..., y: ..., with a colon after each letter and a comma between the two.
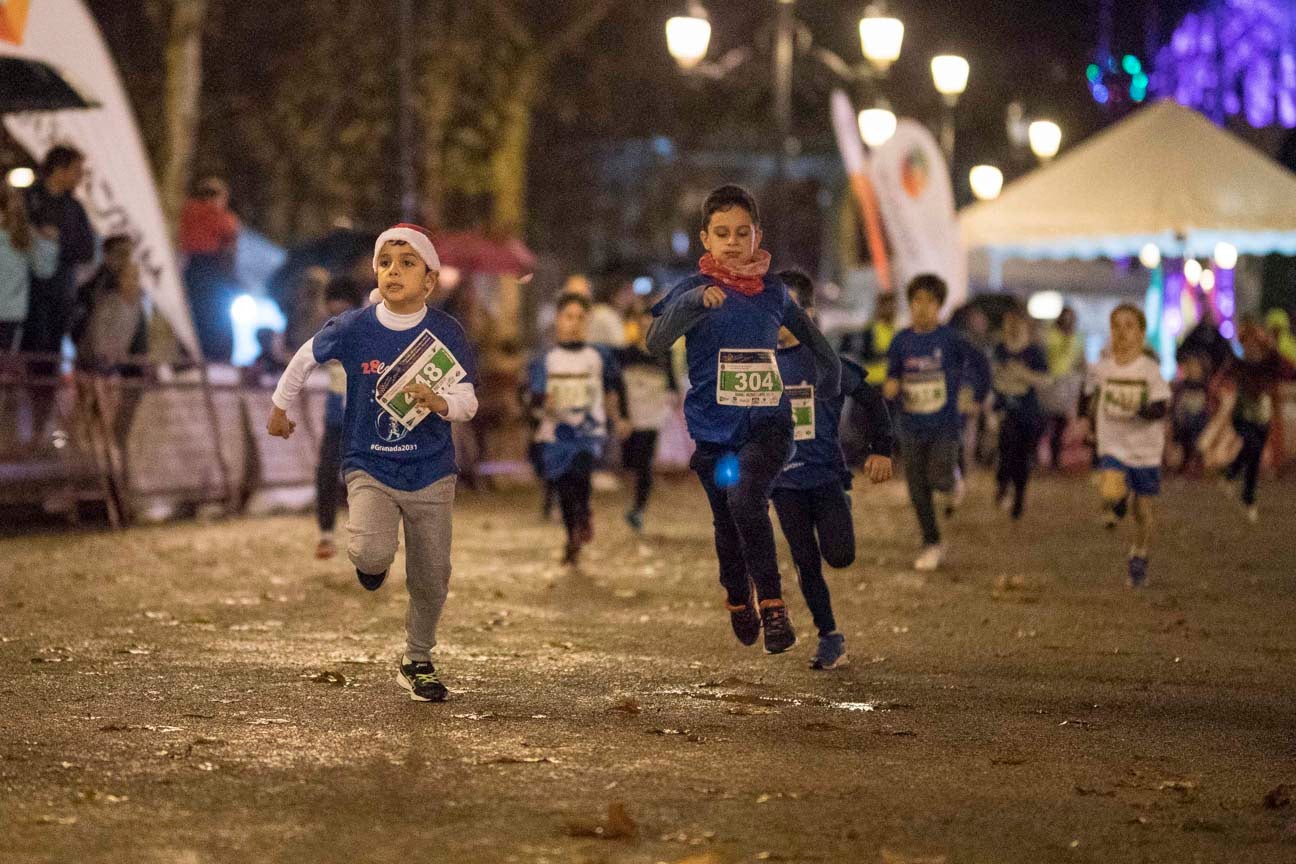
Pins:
x: 1253, y: 514
x: 325, y: 548
x: 1138, y: 567
x: 831, y: 653
x: 930, y: 558
x: 744, y: 620
x: 779, y: 635
x: 634, y: 518
x: 420, y: 679
x: 371, y: 582
x: 571, y: 554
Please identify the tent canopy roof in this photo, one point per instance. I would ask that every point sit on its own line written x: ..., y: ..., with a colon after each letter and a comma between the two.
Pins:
x: 1165, y: 175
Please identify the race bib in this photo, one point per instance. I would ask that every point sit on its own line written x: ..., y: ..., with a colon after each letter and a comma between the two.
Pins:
x: 569, y: 393
x: 647, y: 399
x: 425, y: 361
x: 748, y: 379
x: 1121, y: 400
x: 924, y: 393
x: 803, y: 412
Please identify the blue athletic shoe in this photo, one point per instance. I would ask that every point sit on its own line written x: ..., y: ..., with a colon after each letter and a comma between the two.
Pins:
x: 831, y: 653
x: 371, y: 582
x: 634, y: 518
x: 1138, y: 567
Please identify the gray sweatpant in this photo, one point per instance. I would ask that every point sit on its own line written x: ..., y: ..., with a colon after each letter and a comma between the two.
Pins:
x: 376, y: 510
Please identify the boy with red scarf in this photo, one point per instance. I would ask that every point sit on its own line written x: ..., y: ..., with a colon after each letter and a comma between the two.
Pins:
x: 736, y: 412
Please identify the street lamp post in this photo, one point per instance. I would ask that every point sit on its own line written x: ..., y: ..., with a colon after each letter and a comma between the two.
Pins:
x: 783, y: 51
x: 950, y: 75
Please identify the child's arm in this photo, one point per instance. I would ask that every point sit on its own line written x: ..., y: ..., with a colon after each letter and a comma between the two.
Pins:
x: 290, y: 384
x: 877, y: 420
x: 828, y: 369
x: 614, y: 392
x: 456, y: 404
x: 976, y: 369
x: 1158, y: 405
x: 677, y: 317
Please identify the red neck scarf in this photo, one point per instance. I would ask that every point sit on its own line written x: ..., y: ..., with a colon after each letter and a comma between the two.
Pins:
x: 745, y: 279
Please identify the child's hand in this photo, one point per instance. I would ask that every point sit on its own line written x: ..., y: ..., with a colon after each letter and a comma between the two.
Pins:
x: 878, y: 468
x: 424, y: 397
x: 279, y: 425
x: 890, y: 389
x: 621, y: 429
x: 713, y: 296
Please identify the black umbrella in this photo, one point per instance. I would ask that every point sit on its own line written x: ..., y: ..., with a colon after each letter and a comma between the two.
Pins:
x: 30, y: 85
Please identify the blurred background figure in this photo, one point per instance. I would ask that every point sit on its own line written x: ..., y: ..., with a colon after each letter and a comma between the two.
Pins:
x: 208, y: 238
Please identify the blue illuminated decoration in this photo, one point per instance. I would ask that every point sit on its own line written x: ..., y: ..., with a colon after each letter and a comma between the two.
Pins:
x: 726, y: 471
x: 1235, y: 57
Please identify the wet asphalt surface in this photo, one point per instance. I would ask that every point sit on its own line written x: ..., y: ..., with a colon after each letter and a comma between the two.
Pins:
x: 208, y: 693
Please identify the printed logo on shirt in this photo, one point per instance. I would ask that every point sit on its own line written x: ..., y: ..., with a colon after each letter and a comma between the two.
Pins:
x: 372, y: 367
x: 1122, y: 398
x: 389, y: 429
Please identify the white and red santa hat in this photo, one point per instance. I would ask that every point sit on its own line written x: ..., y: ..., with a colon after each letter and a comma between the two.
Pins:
x: 418, y: 237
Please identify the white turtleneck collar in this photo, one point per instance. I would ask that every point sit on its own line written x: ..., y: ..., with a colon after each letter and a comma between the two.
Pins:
x: 394, y: 321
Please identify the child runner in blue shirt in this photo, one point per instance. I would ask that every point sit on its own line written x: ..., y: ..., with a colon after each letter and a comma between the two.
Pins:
x: 731, y: 312
x: 394, y: 473
x: 927, y: 365
x: 1020, y: 370
x: 575, y: 389
x: 812, y: 496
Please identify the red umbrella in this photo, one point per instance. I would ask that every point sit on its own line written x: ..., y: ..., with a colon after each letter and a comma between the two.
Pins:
x: 473, y: 251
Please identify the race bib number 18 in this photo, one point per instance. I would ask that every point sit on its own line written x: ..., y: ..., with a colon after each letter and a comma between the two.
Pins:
x: 803, y: 412
x: 748, y: 379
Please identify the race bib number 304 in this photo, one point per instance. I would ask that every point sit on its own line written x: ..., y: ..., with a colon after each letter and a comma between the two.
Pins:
x: 803, y: 412
x: 748, y: 379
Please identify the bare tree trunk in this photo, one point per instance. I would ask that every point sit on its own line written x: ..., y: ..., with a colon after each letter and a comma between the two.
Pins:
x: 183, y: 91
x: 509, y: 160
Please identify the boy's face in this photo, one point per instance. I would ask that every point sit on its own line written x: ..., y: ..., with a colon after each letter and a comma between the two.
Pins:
x: 403, y: 278
x: 1126, y: 334
x: 731, y: 237
x: 1014, y: 328
x: 924, y: 309
x: 569, y: 326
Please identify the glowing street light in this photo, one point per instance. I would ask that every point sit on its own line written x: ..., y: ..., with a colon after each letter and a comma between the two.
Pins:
x: 877, y: 125
x: 687, y: 36
x: 950, y: 74
x: 1045, y: 139
x: 987, y: 182
x: 880, y: 38
x: 1150, y: 256
x: 21, y: 178
x: 1226, y: 255
x: 1192, y: 271
x: 1208, y: 281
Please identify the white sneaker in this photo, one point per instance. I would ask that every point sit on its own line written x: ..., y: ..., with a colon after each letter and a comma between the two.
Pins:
x: 930, y: 558
x: 1253, y: 514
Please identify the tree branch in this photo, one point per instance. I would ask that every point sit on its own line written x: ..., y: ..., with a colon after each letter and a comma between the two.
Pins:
x: 507, y: 18
x: 578, y: 29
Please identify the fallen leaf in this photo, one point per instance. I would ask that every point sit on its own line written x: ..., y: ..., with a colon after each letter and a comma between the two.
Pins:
x: 628, y: 705
x: 1278, y: 797
x: 889, y: 857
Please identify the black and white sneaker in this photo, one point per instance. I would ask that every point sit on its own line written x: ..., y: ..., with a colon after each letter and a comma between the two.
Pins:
x: 420, y: 679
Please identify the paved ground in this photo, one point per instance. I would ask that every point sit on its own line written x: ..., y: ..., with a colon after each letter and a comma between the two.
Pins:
x: 208, y: 693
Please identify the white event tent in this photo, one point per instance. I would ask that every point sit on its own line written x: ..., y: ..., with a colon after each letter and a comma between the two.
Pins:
x: 1165, y: 176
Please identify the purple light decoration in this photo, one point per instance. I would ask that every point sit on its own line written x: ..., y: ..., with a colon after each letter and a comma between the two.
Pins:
x: 1234, y: 57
